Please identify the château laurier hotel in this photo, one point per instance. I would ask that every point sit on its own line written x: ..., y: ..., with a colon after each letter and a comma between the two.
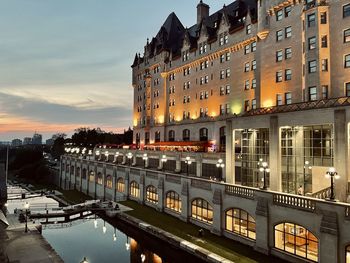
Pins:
x: 242, y: 125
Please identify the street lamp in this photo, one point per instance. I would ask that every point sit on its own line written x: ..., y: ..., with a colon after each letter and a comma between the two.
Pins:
x: 163, y: 160
x: 220, y: 165
x: 130, y: 157
x: 331, y: 173
x: 188, y: 162
x: 265, y: 169
x: 145, y: 158
x: 26, y: 207
x: 307, y: 166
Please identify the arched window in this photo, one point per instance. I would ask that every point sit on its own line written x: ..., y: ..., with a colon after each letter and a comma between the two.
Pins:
x: 203, y: 134
x: 171, y: 136
x: 348, y: 254
x: 157, y: 136
x: 77, y: 172
x: 134, y: 189
x: 152, y: 194
x: 296, y: 240
x: 109, y: 181
x: 99, y: 178
x: 240, y: 222
x: 222, y: 132
x: 84, y: 174
x: 186, y: 135
x: 202, y: 210
x: 91, y: 176
x: 173, y: 201
x: 72, y: 170
x: 120, y: 185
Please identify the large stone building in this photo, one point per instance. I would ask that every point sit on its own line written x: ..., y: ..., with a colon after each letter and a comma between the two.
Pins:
x: 260, y: 79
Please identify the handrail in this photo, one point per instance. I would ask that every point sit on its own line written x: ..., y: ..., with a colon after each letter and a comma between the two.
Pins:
x: 240, y: 191
x: 299, y: 202
x: 322, y: 194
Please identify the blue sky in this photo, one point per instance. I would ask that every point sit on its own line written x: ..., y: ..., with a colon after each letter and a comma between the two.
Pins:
x: 66, y: 63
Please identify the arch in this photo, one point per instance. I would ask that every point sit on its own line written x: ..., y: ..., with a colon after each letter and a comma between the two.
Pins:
x: 134, y: 189
x: 157, y: 136
x: 296, y: 240
x: 120, y: 185
x: 202, y: 210
x: 186, y: 135
x: 84, y: 173
x: 109, y: 181
x: 99, y: 178
x: 347, y: 254
x: 173, y: 201
x: 239, y: 221
x: 203, y: 134
x: 171, y: 136
x: 152, y: 194
x: 91, y: 176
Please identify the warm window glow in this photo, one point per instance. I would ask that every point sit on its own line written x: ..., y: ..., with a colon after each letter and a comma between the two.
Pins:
x: 240, y: 222
x: 296, y: 240
x: 173, y: 201
x: 91, y: 176
x: 99, y: 178
x: 109, y: 181
x: 202, y: 210
x: 348, y: 254
x: 134, y: 189
x: 152, y: 194
x: 120, y: 185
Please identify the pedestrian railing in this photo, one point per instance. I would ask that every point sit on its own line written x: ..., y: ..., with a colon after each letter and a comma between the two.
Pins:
x: 291, y: 201
x: 240, y: 191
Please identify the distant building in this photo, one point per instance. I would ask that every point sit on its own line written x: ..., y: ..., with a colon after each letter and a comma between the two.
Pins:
x: 16, y: 142
x: 37, y: 139
x: 49, y: 142
x: 27, y: 140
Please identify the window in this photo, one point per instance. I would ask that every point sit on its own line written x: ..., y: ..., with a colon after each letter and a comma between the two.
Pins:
x: 312, y: 43
x: 186, y: 135
x: 254, y: 65
x: 228, y: 56
x: 222, y: 133
x: 151, y: 194
x: 288, y: 98
x: 279, y: 76
x: 348, y: 254
x: 311, y: 20
x: 253, y: 83
x: 99, y: 179
x: 347, y: 89
x: 222, y: 109
x: 222, y: 91
x: 296, y: 240
x: 203, y: 134
x: 346, y: 10
x: 347, y: 61
x: 109, y: 181
x: 240, y: 222
x: 253, y: 104
x: 173, y: 201
x: 120, y: 185
x: 279, y: 100
x: 228, y: 89
x: 324, y: 63
x: 312, y: 66
x: 246, y: 105
x: 287, y: 11
x: 324, y: 92
x: 288, y: 53
x: 171, y: 136
x: 246, y: 85
x: 288, y: 32
x: 279, y: 55
x: 202, y: 210
x: 134, y: 189
x: 312, y: 93
x: 253, y: 46
x: 323, y: 18
x: 246, y: 49
x: 248, y: 29
x: 324, y: 41
x: 157, y: 136
x: 246, y: 67
x: 279, y: 35
x: 228, y: 73
x: 279, y: 15
x: 347, y: 35
x: 288, y: 74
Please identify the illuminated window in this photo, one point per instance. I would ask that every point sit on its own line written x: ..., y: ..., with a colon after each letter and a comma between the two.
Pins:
x: 253, y: 104
x: 186, y: 135
x: 254, y: 65
x: 203, y: 134
x: 247, y: 49
x: 246, y: 67
x: 288, y: 53
x: 288, y: 32
x: 109, y: 181
x: 173, y: 201
x: 288, y: 74
x: 120, y: 185
x: 279, y: 35
x: 171, y: 136
x: 202, y: 210
x: 288, y: 98
x: 324, y: 64
x: 248, y: 29
x: 134, y: 189
x: 296, y: 240
x: 99, y: 179
x: 91, y: 176
x: 279, y: 76
x: 312, y: 93
x: 348, y: 254
x: 151, y: 194
x: 240, y: 222
x: 347, y: 35
x: 279, y: 15
x: 279, y: 100
x: 279, y: 55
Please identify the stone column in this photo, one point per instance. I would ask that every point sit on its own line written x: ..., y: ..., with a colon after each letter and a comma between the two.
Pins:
x: 142, y: 188
x: 178, y: 163
x: 262, y: 225
x: 274, y: 155
x: 199, y: 160
x: 114, y: 184
x: 340, y: 153
x: 185, y: 213
x: 217, y: 212
x: 160, y: 205
x: 229, y: 175
x: 328, y: 239
x: 126, y: 184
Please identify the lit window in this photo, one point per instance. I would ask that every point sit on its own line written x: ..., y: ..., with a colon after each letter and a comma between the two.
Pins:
x: 279, y: 76
x: 228, y: 89
x: 253, y: 104
x: 246, y: 106
x: 246, y: 67
x: 222, y: 91
x: 296, y: 240
x: 109, y: 181
x: 288, y: 32
x: 99, y: 179
x: 279, y: 35
x: 173, y: 201
x: 279, y: 55
x: 312, y: 93
x: 288, y: 98
x: 134, y: 189
x: 228, y: 56
x: 120, y: 185
x: 240, y: 222
x: 288, y: 74
x: 202, y: 210
x: 279, y: 100
x: 246, y: 85
x: 253, y: 83
x: 288, y: 53
x: 253, y: 46
x: 324, y: 64
x: 247, y: 49
x: 248, y: 29
x: 152, y: 194
x: 347, y: 35
x: 254, y: 65
x: 279, y: 15
x: 348, y: 254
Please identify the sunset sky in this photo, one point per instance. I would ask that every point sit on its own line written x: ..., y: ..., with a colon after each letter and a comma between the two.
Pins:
x: 65, y: 64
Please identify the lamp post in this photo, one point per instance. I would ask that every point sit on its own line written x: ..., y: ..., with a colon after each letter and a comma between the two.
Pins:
x: 331, y: 173
x: 265, y: 169
x: 163, y: 160
x: 220, y: 165
x: 26, y: 206
x: 130, y: 157
x: 188, y: 162
x: 307, y: 166
x: 145, y: 158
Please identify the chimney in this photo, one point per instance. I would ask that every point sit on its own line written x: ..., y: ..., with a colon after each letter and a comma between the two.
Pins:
x: 202, y: 11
